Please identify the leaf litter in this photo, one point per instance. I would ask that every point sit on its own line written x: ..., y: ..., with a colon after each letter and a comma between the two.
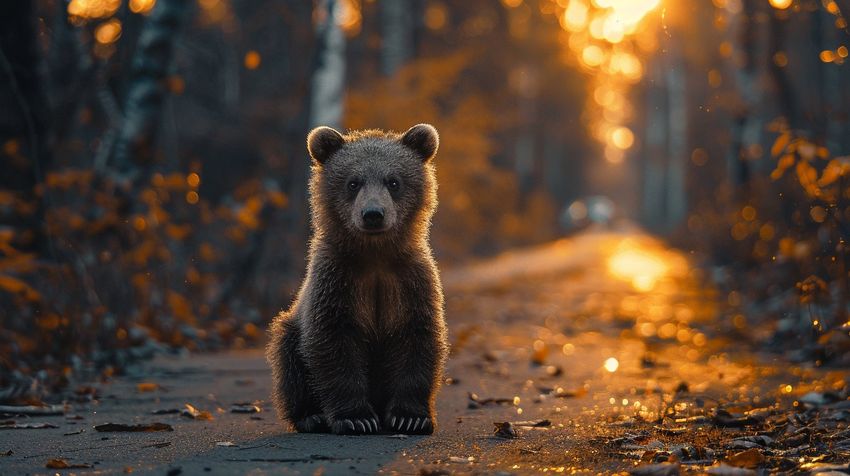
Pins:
x: 137, y: 428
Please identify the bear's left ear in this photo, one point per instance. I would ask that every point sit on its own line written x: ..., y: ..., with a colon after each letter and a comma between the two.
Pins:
x: 322, y: 142
x: 423, y: 139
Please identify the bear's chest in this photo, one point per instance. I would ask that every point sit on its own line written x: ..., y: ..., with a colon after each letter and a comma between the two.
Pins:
x: 378, y: 306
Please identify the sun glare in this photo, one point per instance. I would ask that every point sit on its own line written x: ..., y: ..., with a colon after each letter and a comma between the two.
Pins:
x: 605, y: 36
x: 641, y: 267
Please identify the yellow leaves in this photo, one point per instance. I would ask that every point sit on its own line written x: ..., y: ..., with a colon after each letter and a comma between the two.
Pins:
x: 145, y: 387
x: 801, y: 153
x: 108, y: 32
x: 278, y: 198
x: 252, y: 60
x: 181, y: 307
x: 172, y: 181
x: 141, y: 6
x: 18, y: 263
x: 69, y: 178
x: 195, y: 414
x: 781, y: 142
x: 807, y: 176
x: 88, y: 9
x: 785, y: 163
x: 140, y: 282
x: 49, y: 321
x: 178, y: 232
x: 207, y: 252
x: 835, y: 169
x: 812, y: 288
x: 14, y: 285
x: 248, y: 214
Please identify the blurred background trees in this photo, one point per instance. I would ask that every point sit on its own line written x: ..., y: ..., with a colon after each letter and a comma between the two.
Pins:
x: 154, y: 170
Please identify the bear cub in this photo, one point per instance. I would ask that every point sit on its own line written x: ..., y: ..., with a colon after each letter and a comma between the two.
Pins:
x: 362, y: 347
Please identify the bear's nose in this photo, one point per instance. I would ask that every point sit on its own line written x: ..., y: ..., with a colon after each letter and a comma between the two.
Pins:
x: 373, y: 217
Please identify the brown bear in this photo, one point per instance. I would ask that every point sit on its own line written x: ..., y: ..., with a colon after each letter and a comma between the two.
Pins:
x: 363, y: 345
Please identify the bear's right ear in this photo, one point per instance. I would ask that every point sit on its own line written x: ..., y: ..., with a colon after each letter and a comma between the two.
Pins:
x: 322, y: 142
x: 423, y: 139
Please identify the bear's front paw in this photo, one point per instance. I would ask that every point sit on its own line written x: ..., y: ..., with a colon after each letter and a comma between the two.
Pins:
x: 409, y: 423
x: 312, y: 424
x: 356, y: 423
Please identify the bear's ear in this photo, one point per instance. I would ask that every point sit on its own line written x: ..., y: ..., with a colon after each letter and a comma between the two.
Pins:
x: 322, y: 142
x: 423, y: 139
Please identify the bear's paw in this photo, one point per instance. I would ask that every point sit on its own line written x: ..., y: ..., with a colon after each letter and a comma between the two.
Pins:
x: 356, y: 423
x: 409, y: 423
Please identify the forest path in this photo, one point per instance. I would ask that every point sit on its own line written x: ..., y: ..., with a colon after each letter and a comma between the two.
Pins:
x: 597, y: 334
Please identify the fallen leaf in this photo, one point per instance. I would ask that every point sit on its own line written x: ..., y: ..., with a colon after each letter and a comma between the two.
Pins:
x: 726, y: 470
x: 141, y: 427
x: 147, y: 387
x: 62, y: 464
x: 746, y: 442
x: 504, y: 429
x: 723, y: 418
x: 750, y: 458
x: 691, y: 453
x: 667, y: 431
x: 226, y: 444
x: 817, y: 399
x: 195, y: 414
x: 825, y: 468
x: 562, y: 393
x: 554, y: 370
x: 533, y: 423
x: 475, y: 401
x: 459, y: 459
x: 245, y: 408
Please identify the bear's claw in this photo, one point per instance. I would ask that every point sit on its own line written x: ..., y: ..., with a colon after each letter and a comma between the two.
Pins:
x: 411, y: 425
x: 355, y: 426
x: 312, y: 424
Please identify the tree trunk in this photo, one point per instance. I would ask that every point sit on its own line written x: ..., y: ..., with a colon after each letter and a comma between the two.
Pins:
x: 398, y: 29
x: 326, y: 99
x: 653, y: 198
x: 677, y: 139
x: 147, y: 86
x: 23, y: 120
x: 746, y: 123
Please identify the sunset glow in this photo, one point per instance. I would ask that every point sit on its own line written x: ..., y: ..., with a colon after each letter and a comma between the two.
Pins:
x: 641, y: 267
x: 605, y: 37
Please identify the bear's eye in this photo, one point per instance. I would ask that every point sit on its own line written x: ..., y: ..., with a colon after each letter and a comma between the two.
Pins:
x: 392, y: 184
x: 353, y: 185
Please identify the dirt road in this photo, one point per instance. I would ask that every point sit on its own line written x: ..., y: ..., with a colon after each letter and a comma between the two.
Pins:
x: 583, y: 344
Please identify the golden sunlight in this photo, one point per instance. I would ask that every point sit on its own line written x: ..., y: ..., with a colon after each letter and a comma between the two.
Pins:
x: 640, y: 266
x: 88, y: 9
x: 108, y: 32
x: 141, y: 6
x: 600, y: 33
x: 781, y: 4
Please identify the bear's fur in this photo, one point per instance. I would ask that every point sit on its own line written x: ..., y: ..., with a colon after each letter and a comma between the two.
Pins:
x: 362, y: 347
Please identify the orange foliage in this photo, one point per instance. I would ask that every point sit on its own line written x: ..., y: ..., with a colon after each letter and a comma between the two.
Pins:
x: 479, y: 201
